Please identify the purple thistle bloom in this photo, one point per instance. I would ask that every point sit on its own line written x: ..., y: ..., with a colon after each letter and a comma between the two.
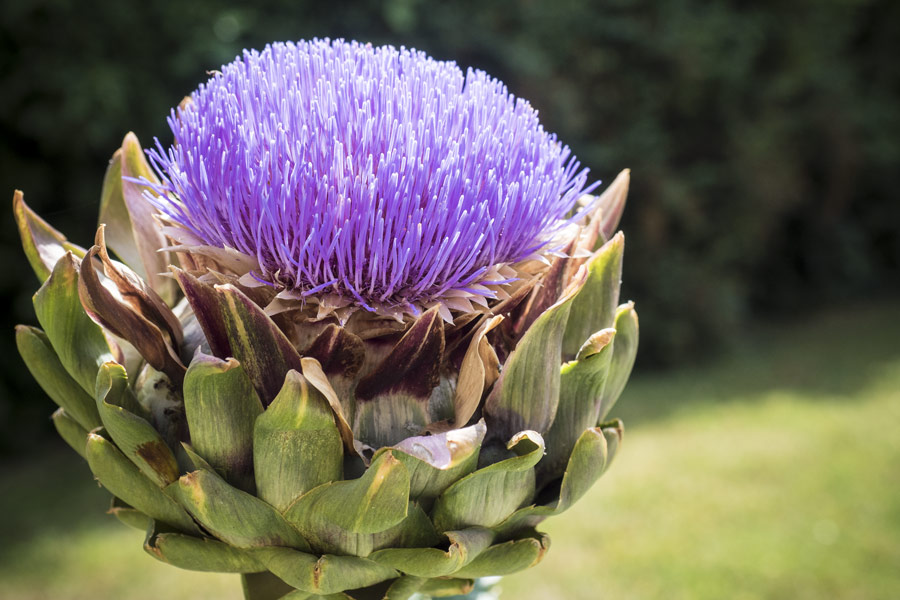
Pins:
x: 377, y: 174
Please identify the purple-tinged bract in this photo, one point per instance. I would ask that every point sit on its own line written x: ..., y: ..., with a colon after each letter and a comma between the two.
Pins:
x: 380, y: 175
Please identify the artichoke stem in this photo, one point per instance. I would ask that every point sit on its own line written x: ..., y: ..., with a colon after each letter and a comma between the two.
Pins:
x: 375, y: 592
x: 263, y: 586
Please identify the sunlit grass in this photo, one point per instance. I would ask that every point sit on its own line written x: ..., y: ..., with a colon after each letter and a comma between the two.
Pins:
x: 772, y: 474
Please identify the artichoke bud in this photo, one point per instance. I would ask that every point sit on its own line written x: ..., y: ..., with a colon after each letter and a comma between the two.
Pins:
x: 393, y: 418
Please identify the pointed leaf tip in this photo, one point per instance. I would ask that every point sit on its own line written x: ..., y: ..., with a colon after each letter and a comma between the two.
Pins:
x: 508, y: 557
x: 44, y: 246
x: 46, y: 368
x: 257, y: 343
x: 133, y: 434
x: 70, y: 431
x: 412, y: 366
x: 489, y: 495
x: 613, y: 431
x: 296, y: 443
x: 114, y: 214
x: 392, y: 401
x: 582, y: 384
x: 464, y: 546
x: 623, y: 357
x: 235, y: 517
x: 611, y: 205
x: 479, y: 371
x: 128, y: 318
x: 323, y: 575
x: 136, y: 293
x: 527, y: 392
x: 373, y: 503
x: 314, y: 374
x: 77, y: 340
x: 147, y: 236
x: 435, y: 462
x: 121, y: 477
x: 594, y: 305
x: 221, y: 408
x: 198, y: 553
x: 207, y: 309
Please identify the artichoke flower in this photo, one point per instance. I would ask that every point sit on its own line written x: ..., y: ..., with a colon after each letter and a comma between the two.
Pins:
x: 355, y: 334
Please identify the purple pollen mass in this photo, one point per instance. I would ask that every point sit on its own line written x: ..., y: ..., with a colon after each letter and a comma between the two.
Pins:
x: 376, y: 174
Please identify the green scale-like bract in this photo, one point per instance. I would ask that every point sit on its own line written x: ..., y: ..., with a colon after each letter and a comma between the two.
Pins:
x: 322, y: 459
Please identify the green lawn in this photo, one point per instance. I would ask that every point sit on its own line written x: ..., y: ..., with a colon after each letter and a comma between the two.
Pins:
x: 774, y: 473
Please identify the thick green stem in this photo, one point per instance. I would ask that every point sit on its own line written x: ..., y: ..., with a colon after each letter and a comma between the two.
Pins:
x: 263, y: 586
x: 375, y: 592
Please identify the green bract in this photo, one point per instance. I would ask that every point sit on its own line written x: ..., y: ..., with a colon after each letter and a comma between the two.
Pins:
x: 371, y: 456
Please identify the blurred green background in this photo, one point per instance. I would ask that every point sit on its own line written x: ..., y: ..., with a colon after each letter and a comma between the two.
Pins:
x: 763, y: 252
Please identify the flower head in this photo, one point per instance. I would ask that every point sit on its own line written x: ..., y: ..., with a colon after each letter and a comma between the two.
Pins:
x: 377, y: 175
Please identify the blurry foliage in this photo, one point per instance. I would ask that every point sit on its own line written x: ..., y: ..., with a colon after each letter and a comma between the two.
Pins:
x: 764, y: 137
